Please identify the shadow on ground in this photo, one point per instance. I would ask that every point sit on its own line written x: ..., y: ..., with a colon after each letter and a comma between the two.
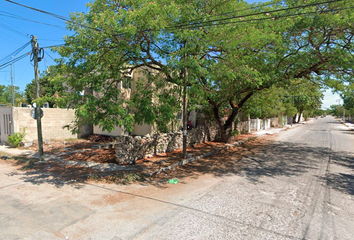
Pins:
x: 261, y: 159
x: 254, y: 161
x: 343, y: 182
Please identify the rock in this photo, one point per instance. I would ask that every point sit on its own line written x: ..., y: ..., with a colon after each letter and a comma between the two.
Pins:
x: 189, y: 155
x: 137, y: 138
x: 27, y: 144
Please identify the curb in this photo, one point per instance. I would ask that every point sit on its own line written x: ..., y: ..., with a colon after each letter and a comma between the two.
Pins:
x: 347, y: 125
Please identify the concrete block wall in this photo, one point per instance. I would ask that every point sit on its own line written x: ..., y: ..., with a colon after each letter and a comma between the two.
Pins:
x: 52, y: 123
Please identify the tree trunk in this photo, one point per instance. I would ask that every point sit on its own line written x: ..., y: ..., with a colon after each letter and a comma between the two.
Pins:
x: 86, y: 130
x: 225, y: 129
x: 294, y: 118
x: 299, y: 118
x: 226, y: 134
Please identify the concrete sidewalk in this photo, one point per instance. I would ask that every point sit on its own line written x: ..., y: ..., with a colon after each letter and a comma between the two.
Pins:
x: 350, y: 125
x: 15, y: 151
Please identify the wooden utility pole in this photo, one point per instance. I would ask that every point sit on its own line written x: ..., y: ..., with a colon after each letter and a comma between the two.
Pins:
x: 35, y: 51
x: 12, y: 88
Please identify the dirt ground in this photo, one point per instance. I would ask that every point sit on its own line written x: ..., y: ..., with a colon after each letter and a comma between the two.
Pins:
x: 83, y: 151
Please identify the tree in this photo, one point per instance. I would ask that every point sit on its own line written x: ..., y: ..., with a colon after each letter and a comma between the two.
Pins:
x: 6, y: 95
x: 196, y: 45
x: 307, y: 96
x: 336, y: 110
x: 52, y: 87
x: 122, y: 38
x: 315, y: 41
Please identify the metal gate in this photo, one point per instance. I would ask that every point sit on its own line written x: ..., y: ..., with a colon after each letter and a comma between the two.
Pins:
x: 6, y: 123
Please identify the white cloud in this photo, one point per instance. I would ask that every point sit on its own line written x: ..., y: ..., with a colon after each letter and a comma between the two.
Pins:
x: 330, y: 99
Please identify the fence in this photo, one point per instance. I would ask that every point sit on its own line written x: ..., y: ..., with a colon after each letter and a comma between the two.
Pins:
x: 253, y: 125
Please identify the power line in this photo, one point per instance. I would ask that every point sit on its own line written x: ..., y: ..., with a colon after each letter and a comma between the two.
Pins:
x: 202, y: 24
x: 50, y: 56
x: 5, y: 26
x: 228, y: 13
x: 66, y: 19
x: 10, y: 15
x: 189, y: 24
x: 267, y: 18
x: 39, y: 10
x: 58, y: 45
x: 10, y: 39
x: 253, y: 14
x: 14, y: 53
x: 2, y: 66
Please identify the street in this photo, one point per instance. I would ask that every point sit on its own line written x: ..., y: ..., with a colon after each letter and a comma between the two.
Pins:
x: 299, y: 187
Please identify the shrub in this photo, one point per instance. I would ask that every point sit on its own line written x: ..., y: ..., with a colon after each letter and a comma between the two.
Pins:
x: 16, y: 138
x: 235, y: 133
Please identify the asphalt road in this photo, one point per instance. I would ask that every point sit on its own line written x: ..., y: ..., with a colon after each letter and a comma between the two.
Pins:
x: 300, y: 187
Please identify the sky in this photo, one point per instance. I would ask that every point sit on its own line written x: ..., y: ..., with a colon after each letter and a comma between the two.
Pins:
x: 14, y: 33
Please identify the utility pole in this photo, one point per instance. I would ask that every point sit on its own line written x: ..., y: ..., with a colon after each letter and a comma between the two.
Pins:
x: 12, y: 87
x: 35, y: 52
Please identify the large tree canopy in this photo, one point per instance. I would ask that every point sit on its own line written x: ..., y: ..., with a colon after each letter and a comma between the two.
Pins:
x: 224, y: 51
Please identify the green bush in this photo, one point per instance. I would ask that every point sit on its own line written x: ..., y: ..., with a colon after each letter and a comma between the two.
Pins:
x: 235, y: 133
x: 16, y: 139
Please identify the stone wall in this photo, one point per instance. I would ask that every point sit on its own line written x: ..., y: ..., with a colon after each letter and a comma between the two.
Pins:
x: 131, y: 148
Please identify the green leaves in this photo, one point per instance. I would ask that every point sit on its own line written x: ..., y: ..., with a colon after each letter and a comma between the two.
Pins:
x: 224, y: 51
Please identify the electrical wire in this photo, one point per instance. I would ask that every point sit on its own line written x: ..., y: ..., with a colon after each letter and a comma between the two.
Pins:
x: 53, y: 15
x: 255, y: 14
x: 10, y: 15
x: 14, y: 53
x: 228, y: 13
x: 2, y: 66
x: 267, y: 18
x: 10, y: 39
x: 189, y: 24
x: 39, y: 10
x: 7, y: 27
x: 211, y: 22
x: 50, y: 56
x: 58, y: 45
